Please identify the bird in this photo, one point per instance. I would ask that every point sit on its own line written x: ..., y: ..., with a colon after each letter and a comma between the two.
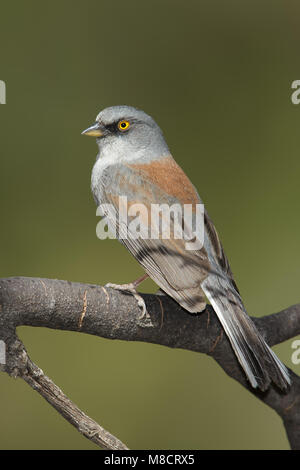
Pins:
x: 134, y: 161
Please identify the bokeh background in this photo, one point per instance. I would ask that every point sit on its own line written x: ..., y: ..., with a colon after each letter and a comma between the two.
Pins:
x: 217, y: 78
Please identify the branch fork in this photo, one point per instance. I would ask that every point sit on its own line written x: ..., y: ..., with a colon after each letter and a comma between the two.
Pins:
x: 112, y: 314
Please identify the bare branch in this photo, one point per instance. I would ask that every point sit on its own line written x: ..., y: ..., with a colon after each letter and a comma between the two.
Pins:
x: 111, y: 314
x: 18, y: 364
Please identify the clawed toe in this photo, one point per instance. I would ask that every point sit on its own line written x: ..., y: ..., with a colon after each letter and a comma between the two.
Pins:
x: 132, y: 290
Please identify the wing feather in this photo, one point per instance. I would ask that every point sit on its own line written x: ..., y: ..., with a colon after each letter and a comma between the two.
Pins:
x: 177, y: 271
x: 187, y: 276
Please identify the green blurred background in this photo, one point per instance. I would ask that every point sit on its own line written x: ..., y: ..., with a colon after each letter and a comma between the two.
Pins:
x: 217, y: 78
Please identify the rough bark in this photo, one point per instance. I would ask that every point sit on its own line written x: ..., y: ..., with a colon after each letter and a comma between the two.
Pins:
x: 112, y: 314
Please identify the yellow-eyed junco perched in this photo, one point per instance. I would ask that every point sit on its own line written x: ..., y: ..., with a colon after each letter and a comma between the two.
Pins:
x: 134, y: 164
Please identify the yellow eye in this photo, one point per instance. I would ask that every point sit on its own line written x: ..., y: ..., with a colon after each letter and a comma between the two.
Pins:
x: 123, y: 125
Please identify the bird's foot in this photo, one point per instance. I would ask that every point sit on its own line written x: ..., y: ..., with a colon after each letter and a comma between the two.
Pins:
x: 131, y: 288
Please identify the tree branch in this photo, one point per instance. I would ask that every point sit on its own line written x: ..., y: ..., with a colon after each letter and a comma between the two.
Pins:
x: 111, y: 314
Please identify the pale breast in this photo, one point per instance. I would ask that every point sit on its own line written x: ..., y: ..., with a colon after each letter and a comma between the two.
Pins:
x: 98, y: 179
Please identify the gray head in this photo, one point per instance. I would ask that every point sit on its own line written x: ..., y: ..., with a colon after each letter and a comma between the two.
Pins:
x: 127, y: 133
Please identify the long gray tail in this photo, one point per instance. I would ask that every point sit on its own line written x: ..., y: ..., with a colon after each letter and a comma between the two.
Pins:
x: 259, y: 362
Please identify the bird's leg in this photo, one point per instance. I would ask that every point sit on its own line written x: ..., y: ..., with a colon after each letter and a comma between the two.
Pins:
x: 131, y: 287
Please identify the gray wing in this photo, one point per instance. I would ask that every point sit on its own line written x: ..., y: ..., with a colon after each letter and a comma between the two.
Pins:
x: 177, y: 271
x: 189, y: 276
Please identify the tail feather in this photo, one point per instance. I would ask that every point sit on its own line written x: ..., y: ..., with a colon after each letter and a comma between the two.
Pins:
x: 259, y: 362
